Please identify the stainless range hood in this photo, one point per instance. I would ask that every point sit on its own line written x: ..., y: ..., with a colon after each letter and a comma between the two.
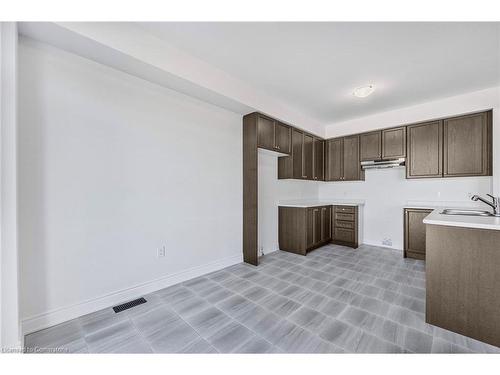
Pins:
x: 380, y: 164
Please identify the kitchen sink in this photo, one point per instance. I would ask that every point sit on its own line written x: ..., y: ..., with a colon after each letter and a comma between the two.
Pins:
x: 449, y: 211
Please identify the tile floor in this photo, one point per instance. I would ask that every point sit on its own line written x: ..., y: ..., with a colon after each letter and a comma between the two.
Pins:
x: 335, y: 300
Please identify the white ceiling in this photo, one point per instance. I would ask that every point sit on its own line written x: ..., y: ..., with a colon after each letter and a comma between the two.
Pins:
x: 314, y: 67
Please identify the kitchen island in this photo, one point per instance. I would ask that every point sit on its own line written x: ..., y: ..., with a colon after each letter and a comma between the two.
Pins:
x: 463, y: 274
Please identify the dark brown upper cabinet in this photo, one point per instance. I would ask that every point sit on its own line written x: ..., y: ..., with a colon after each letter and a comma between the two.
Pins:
x: 273, y: 135
x: 342, y: 159
x: 300, y: 165
x: 352, y: 166
x: 297, y: 151
x: 467, y: 145
x: 371, y: 146
x: 319, y: 159
x: 307, y: 157
x: 425, y: 150
x: 333, y: 159
x: 383, y: 144
x: 282, y: 137
x: 394, y: 143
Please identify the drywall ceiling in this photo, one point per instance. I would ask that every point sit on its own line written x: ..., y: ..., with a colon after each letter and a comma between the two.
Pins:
x: 314, y: 67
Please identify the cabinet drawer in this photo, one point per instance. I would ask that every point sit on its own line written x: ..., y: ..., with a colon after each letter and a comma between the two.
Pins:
x: 342, y: 216
x: 346, y: 209
x: 344, y: 235
x: 344, y: 224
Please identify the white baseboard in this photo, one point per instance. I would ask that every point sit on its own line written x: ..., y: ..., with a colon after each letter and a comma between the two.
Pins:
x: 60, y: 315
x: 370, y: 243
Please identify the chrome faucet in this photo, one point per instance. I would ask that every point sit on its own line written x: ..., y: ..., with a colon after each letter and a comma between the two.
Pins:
x: 495, y: 204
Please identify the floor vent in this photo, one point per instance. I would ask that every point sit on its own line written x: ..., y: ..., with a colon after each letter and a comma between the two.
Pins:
x: 128, y: 305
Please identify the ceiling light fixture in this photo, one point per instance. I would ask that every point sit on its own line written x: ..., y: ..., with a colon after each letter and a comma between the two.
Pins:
x: 364, y: 91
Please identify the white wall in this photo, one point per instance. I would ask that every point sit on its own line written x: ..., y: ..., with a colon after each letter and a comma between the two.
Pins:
x: 271, y: 191
x: 9, y: 289
x: 387, y: 191
x: 110, y: 169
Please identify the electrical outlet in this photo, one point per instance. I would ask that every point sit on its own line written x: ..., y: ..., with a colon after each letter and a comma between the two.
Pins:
x: 387, y: 242
x: 162, y: 251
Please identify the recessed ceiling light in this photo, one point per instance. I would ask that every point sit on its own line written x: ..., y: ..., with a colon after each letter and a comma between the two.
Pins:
x: 364, y: 91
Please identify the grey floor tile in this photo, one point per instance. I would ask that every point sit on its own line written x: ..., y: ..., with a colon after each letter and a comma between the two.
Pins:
x: 190, y: 306
x: 208, y: 321
x: 254, y: 345
x: 219, y: 275
x: 357, y: 317
x: 417, y: 341
x: 332, y: 307
x: 342, y: 335
x: 155, y: 320
x: 256, y: 293
x: 107, y: 339
x: 136, y: 345
x: 101, y: 319
x: 297, y: 340
x: 445, y: 347
x: 316, y: 301
x: 370, y: 291
x: 372, y: 344
x: 153, y: 300
x: 372, y: 305
x: 308, y: 318
x: 409, y: 318
x: 229, y: 337
x: 176, y: 295
x: 280, y: 305
x: 218, y: 295
x: 171, y: 339
x: 239, y: 285
x: 276, y: 285
x: 277, y: 331
x: 56, y: 336
x: 199, y: 346
x: 235, y: 305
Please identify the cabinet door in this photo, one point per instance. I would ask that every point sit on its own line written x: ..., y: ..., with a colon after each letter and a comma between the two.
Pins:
x: 394, y: 143
x: 352, y: 167
x: 371, y: 146
x: 467, y: 145
x: 297, y: 157
x: 282, y: 137
x: 425, y: 150
x: 319, y: 151
x: 308, y: 157
x: 326, y: 223
x: 265, y: 132
x: 317, y: 225
x: 334, y: 163
x: 414, y: 232
x: 310, y: 227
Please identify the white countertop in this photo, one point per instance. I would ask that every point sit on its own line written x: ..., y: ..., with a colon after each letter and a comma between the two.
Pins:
x: 316, y: 203
x: 478, y: 222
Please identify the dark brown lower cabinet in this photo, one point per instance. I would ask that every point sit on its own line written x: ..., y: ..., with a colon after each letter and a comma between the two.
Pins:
x: 414, y: 232
x: 463, y: 282
x: 345, y: 226
x: 304, y: 229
